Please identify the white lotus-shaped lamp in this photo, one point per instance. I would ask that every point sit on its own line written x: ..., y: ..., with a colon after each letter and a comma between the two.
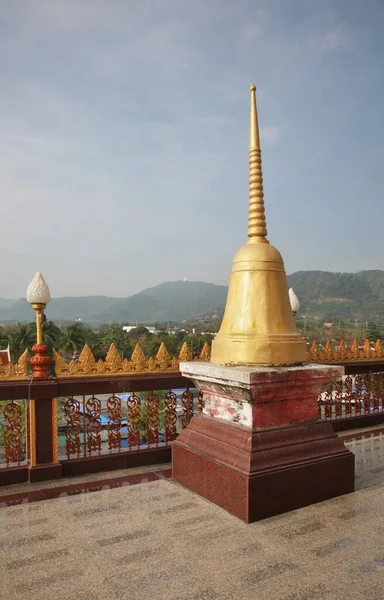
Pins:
x: 38, y: 295
x: 38, y: 290
x: 295, y: 304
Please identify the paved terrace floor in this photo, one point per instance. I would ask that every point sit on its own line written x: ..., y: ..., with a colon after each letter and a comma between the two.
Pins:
x: 156, y: 540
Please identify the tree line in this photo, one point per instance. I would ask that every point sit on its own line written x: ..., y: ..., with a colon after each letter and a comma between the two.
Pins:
x: 70, y: 339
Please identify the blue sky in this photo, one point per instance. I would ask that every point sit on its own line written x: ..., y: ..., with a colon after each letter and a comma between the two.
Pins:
x: 124, y: 128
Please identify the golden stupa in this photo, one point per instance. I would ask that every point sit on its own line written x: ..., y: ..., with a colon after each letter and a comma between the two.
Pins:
x: 258, y: 325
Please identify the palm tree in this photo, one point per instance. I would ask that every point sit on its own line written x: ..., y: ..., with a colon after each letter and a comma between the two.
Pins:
x: 72, y: 339
x: 21, y: 336
x: 51, y: 334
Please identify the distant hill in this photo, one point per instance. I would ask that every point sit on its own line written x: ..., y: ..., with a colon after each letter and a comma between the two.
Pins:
x: 345, y: 296
x: 6, y: 302
x: 173, y: 301
x: 324, y: 295
x: 59, y: 309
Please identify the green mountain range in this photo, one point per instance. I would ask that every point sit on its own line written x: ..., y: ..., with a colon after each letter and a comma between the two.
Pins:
x: 323, y: 295
x: 346, y: 296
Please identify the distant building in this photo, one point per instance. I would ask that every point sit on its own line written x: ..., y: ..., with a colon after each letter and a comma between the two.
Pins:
x: 128, y: 328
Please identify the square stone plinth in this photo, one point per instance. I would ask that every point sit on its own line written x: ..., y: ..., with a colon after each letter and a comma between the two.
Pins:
x: 261, y: 396
x: 258, y: 449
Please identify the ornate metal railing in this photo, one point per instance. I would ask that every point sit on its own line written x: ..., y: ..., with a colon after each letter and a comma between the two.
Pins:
x: 99, y: 415
x: 118, y: 423
x: 71, y: 425
x: 354, y: 396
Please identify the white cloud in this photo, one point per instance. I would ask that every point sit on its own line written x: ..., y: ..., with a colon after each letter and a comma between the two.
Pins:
x: 270, y: 134
x: 253, y: 27
x: 336, y: 37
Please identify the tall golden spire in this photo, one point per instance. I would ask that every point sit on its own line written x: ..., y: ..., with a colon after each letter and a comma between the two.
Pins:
x: 256, y: 219
x: 258, y: 326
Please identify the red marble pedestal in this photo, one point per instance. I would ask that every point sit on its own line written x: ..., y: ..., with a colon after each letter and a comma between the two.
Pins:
x: 258, y: 449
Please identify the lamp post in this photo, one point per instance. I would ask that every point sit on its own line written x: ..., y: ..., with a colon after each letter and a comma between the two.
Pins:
x: 38, y: 295
x: 43, y: 447
x: 293, y: 299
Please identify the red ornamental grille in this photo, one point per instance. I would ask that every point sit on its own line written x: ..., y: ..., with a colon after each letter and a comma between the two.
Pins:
x: 377, y: 391
x: 152, y: 421
x: 200, y: 402
x: 73, y: 427
x: 368, y: 391
x: 348, y: 396
x: 359, y: 394
x: 356, y: 396
x: 134, y: 420
x: 187, y: 403
x: 114, y: 423
x: 328, y: 402
x: 170, y: 416
x: 338, y: 398
x: 13, y: 433
x: 93, y: 428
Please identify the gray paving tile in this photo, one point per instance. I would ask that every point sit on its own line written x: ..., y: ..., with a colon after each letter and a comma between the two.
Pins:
x: 303, y: 529
x: 203, y: 593
x: 355, y: 513
x: 26, y: 541
x: 196, y: 523
x: 175, y: 508
x: 377, y: 564
x: 377, y: 470
x: 38, y: 522
x: 124, y: 537
x: 333, y: 547
x: 317, y: 592
x: 260, y: 575
x: 93, y: 512
x: 138, y: 556
x: 37, y: 558
x: 47, y: 580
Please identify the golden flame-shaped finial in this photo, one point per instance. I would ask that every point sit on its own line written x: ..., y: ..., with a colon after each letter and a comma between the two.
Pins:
x: 256, y: 220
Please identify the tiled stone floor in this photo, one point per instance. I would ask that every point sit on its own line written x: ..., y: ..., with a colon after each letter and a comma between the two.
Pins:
x: 156, y: 540
x: 368, y: 448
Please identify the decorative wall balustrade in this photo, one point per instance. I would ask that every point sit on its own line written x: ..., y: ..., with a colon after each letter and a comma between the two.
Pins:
x: 100, y: 415
x: 90, y: 425
x: 341, y: 354
x: 87, y: 366
x: 15, y: 371
x: 353, y: 396
x: 68, y: 423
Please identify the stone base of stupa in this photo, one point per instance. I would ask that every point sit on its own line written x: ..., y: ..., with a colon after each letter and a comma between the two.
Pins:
x: 258, y: 449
